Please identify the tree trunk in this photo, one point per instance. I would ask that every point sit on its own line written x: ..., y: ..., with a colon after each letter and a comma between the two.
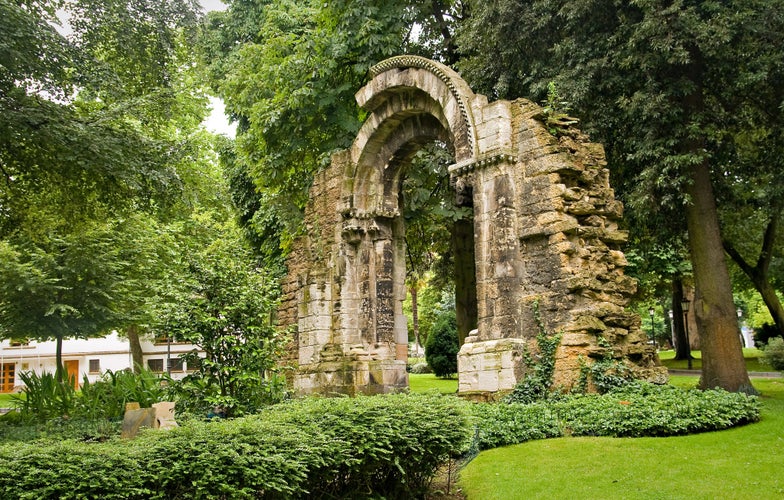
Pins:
x: 774, y: 304
x: 759, y: 274
x: 137, y: 355
x: 413, y: 290
x: 682, y: 347
x: 59, y: 370
x: 722, y: 357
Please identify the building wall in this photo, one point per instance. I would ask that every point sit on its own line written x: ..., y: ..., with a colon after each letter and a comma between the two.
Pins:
x: 111, y: 353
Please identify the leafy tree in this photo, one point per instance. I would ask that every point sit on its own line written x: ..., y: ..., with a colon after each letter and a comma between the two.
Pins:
x: 442, y: 345
x: 63, y: 287
x: 664, y: 85
x: 288, y: 72
x: 223, y: 304
x: 87, y: 145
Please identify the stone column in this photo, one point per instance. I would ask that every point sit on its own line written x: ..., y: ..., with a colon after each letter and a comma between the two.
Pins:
x: 489, y: 360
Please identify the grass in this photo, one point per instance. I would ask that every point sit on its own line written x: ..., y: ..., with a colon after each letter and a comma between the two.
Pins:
x: 751, y: 355
x: 424, y: 382
x: 740, y: 463
x: 6, y: 401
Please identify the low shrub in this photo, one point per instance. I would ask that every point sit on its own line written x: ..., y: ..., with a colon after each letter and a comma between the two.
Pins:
x: 14, y: 428
x: 504, y: 424
x: 420, y: 368
x: 312, y: 448
x: 638, y: 409
x: 773, y: 354
x: 643, y: 409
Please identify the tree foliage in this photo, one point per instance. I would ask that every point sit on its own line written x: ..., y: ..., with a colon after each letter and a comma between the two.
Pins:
x: 442, y: 345
x: 218, y: 300
x: 288, y: 72
x: 98, y: 132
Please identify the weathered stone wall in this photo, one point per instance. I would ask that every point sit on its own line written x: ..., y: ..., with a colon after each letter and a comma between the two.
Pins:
x: 545, y: 232
x: 551, y: 237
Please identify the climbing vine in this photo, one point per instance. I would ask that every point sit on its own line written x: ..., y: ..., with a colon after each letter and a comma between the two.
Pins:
x: 606, y: 373
x: 536, y: 384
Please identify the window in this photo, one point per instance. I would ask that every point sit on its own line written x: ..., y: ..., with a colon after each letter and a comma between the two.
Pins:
x: 164, y: 338
x: 175, y: 364
x: 155, y: 365
x: 95, y: 366
x: 194, y: 364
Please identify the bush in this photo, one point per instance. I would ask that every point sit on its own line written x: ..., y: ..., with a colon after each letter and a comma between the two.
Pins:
x: 505, y: 424
x: 638, y: 409
x: 773, y: 354
x: 420, y: 368
x: 106, y: 397
x: 312, y: 448
x: 763, y: 334
x: 442, y: 345
x: 644, y: 409
x: 45, y: 398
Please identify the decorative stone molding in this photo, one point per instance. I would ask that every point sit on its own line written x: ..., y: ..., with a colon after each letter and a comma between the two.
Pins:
x: 442, y: 72
x: 469, y: 166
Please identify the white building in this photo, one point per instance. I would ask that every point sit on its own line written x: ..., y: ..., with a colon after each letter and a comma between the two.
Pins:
x: 90, y: 358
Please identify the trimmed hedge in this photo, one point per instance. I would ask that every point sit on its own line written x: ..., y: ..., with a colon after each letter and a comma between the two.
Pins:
x: 315, y: 448
x: 388, y: 446
x: 636, y: 410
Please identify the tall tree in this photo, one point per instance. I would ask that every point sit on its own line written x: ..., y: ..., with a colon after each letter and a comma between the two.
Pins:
x: 659, y: 82
x: 61, y: 288
x: 218, y: 299
x: 88, y: 140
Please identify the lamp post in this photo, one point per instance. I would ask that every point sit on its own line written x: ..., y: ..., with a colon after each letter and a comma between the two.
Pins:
x: 685, y: 307
x: 740, y: 328
x: 653, y: 331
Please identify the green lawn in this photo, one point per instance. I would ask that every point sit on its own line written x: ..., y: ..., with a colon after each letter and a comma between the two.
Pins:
x: 751, y: 355
x: 740, y: 463
x: 424, y: 382
x: 6, y: 401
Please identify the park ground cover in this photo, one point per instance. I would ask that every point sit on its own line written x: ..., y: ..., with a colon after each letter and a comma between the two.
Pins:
x: 750, y: 355
x: 739, y: 463
x: 425, y: 382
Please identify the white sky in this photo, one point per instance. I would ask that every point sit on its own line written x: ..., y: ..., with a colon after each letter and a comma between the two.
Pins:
x: 217, y: 122
x: 209, y: 5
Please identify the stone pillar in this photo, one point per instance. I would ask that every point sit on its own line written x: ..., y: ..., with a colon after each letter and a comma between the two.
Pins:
x: 490, y: 359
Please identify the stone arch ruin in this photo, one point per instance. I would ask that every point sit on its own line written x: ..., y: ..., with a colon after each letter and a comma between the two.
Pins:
x: 545, y: 234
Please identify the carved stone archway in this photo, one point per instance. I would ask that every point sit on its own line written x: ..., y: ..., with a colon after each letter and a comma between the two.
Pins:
x: 545, y: 236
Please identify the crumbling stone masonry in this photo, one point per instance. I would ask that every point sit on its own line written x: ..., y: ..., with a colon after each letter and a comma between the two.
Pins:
x: 545, y: 231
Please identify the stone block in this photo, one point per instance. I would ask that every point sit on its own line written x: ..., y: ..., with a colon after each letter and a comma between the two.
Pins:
x: 135, y: 420
x: 164, y: 414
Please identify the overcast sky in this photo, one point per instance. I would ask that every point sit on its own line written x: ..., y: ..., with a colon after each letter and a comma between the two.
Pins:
x: 209, y: 5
